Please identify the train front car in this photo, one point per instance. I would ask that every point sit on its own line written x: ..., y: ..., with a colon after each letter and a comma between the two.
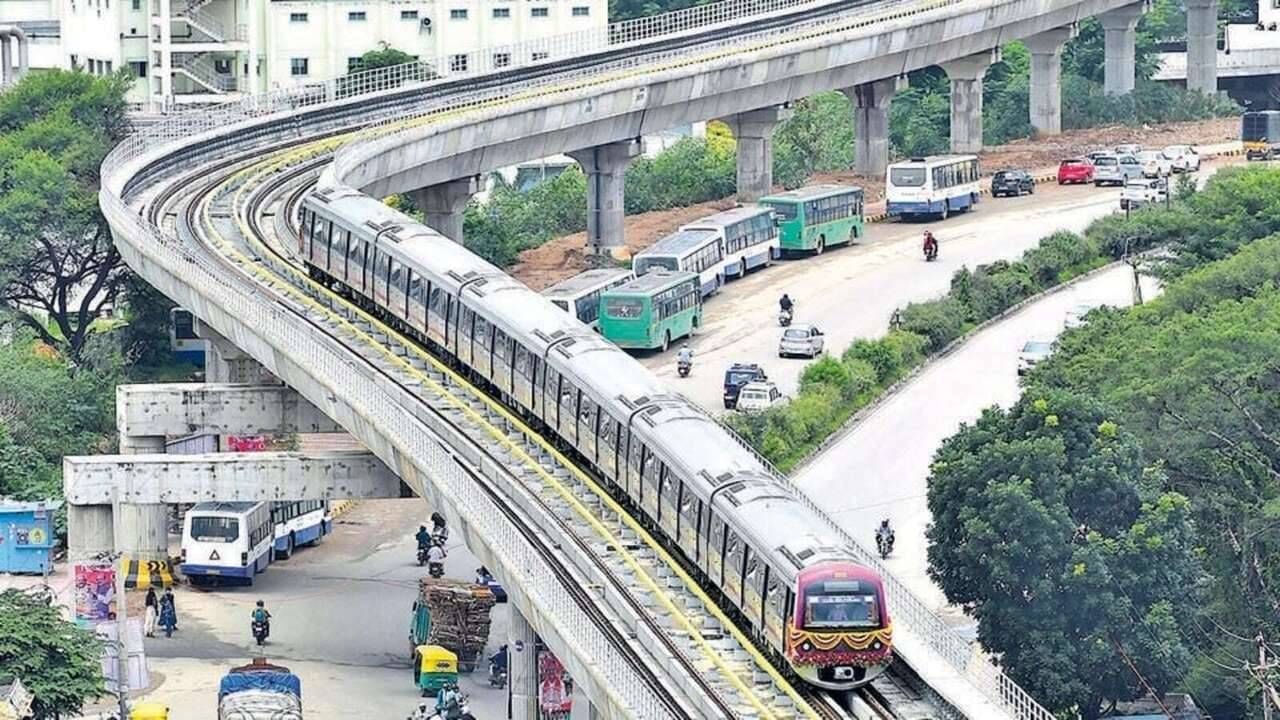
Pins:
x: 840, y: 636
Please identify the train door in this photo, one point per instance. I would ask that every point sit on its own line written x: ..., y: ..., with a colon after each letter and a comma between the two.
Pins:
x: 775, y: 611
x: 735, y: 551
x: 668, y: 504
x: 690, y: 514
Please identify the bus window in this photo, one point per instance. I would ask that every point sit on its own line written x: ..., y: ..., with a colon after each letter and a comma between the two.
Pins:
x: 623, y: 308
x: 907, y: 176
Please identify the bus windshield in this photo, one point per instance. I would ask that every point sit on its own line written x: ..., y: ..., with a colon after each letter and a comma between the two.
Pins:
x: 841, y: 611
x: 623, y: 308
x: 644, y: 264
x: 907, y: 176
x: 786, y: 211
x: 215, y: 529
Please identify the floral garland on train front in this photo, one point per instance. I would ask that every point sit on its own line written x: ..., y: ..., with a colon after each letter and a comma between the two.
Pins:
x: 863, y: 649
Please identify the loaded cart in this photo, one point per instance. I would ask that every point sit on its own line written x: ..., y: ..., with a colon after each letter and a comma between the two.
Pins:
x: 453, y: 615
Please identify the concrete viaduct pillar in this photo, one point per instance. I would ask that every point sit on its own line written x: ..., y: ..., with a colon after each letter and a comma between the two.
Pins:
x: 606, y: 169
x: 871, y: 124
x: 142, y: 529
x: 444, y: 206
x: 226, y: 363
x: 1120, y: 34
x: 966, y: 99
x: 753, y: 131
x: 522, y: 667
x: 1202, y: 46
x: 6, y: 60
x: 1046, y: 79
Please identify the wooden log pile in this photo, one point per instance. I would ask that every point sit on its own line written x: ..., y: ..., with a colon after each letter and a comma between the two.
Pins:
x: 459, y: 617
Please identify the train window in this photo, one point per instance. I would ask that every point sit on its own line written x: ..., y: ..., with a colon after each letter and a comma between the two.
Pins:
x: 550, y: 386
x: 733, y: 557
x: 652, y: 468
x: 435, y: 298
x: 607, y: 428
x: 500, y: 345
x: 481, y: 328
x: 531, y: 370
x: 587, y: 414
x: 522, y: 361
x: 340, y: 244
x: 415, y: 289
x: 397, y: 275
x: 755, y: 574
x: 354, y: 256
x: 635, y: 454
x: 715, y: 548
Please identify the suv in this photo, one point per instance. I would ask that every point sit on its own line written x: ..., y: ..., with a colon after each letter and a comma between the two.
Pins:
x: 1183, y: 158
x: 1146, y: 191
x: 737, y: 376
x: 1115, y: 170
x: 1154, y: 164
x: 803, y: 340
x: 1012, y: 183
x: 1075, y: 170
x: 758, y: 395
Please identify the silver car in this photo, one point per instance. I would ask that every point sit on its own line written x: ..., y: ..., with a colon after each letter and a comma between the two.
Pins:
x: 1115, y: 169
x: 1032, y: 353
x: 802, y: 340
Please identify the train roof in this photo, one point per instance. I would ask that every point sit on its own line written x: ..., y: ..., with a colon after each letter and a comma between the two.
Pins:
x: 585, y: 281
x: 225, y: 507
x: 652, y: 282
x: 810, y: 192
x: 678, y: 243
x: 727, y: 217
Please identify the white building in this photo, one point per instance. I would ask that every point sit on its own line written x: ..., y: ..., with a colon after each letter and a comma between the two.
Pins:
x: 192, y: 51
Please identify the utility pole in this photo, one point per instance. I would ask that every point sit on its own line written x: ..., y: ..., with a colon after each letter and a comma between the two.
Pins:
x: 1132, y: 262
x: 1270, y: 698
x: 122, y: 614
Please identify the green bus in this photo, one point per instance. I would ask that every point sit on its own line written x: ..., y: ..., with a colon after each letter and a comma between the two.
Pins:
x: 814, y: 218
x: 652, y: 310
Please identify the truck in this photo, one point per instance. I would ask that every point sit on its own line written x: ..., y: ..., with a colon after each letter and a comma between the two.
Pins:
x: 260, y: 691
x: 453, y: 615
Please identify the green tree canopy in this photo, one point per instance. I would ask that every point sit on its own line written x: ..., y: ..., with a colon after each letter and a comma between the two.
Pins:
x: 1049, y: 529
x: 384, y: 56
x: 56, y: 255
x: 56, y: 660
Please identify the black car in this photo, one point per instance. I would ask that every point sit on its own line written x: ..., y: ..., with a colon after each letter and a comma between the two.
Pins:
x: 735, y: 377
x: 1012, y: 183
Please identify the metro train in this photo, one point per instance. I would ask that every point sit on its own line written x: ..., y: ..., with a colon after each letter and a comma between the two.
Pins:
x: 772, y: 561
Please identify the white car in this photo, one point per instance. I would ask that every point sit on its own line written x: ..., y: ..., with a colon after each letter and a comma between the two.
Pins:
x: 804, y: 340
x: 1183, y: 158
x: 1128, y: 149
x: 1076, y: 316
x: 759, y: 395
x: 1146, y: 191
x: 1032, y: 353
x: 1154, y: 164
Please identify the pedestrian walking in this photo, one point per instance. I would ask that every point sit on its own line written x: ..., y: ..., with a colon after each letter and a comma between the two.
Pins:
x: 168, y: 613
x: 153, y: 612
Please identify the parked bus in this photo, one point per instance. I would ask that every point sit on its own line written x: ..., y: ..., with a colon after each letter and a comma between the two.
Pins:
x: 936, y: 185
x: 227, y: 540
x: 580, y: 295
x: 813, y: 218
x: 652, y: 310
x: 301, y: 522
x: 695, y: 251
x: 1260, y: 133
x: 748, y: 237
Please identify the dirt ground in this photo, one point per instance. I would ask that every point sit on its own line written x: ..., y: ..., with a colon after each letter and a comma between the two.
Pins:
x: 564, y: 257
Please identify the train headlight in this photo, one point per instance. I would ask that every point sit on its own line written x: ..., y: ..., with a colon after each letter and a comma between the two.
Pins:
x: 842, y: 672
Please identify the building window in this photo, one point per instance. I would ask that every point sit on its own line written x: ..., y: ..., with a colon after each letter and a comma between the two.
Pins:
x: 297, y: 17
x: 540, y: 56
x: 136, y: 4
x: 357, y: 16
x: 538, y: 12
x: 501, y: 60
x: 353, y: 64
x: 298, y: 67
x: 139, y: 67
x: 458, y: 14
x: 581, y: 11
x: 408, y: 14
x: 506, y: 12
x: 458, y: 63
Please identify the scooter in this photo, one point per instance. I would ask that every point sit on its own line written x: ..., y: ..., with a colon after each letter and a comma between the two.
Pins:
x: 784, y: 318
x: 459, y: 711
x: 435, y: 569
x: 497, y: 676
x: 931, y: 252
x: 422, y: 556
x: 884, y: 545
x: 260, y: 632
x: 683, y: 367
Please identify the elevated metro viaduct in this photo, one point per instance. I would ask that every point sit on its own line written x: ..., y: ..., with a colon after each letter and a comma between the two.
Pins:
x: 438, y: 167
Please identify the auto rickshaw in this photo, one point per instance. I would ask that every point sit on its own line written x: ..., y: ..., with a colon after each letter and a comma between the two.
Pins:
x: 434, y: 667
x: 149, y: 711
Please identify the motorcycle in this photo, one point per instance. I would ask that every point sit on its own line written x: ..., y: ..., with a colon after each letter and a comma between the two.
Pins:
x: 497, y: 676
x: 456, y: 711
x: 884, y: 544
x: 260, y: 632
x: 683, y: 367
x: 422, y: 556
x: 784, y: 317
x: 435, y: 569
x: 931, y: 251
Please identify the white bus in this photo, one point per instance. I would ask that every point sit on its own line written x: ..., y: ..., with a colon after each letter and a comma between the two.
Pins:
x: 936, y: 185
x: 301, y: 522
x: 749, y: 236
x: 230, y: 540
x: 695, y: 251
x: 580, y: 295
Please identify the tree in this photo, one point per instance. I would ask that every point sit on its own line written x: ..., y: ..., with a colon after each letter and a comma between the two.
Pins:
x: 58, y: 266
x: 1049, y: 529
x: 59, y: 662
x: 384, y: 56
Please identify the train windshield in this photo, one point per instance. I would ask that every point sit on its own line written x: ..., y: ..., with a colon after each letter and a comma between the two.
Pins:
x: 831, y: 605
x: 215, y: 529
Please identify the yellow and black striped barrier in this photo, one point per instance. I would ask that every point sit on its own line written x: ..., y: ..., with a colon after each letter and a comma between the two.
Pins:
x: 143, y: 574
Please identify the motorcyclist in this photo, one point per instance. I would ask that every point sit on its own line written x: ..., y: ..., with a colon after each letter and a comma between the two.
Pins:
x: 435, y: 557
x: 423, y: 711
x: 423, y: 537
x: 930, y: 244
x: 685, y: 356
x: 449, y: 701
x: 785, y: 304
x: 884, y: 534
x: 498, y: 660
x: 439, y: 529
x: 483, y: 576
x: 261, y: 615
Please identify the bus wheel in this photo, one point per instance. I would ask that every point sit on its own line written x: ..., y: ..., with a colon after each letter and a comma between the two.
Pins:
x: 946, y: 210
x: 822, y: 245
x: 742, y: 268
x: 288, y: 553
x: 666, y: 340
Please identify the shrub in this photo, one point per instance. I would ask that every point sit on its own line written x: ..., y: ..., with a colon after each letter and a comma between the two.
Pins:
x: 888, y: 357
x: 938, y: 321
x: 827, y: 371
x: 862, y: 379
x: 1059, y: 257
x: 997, y: 286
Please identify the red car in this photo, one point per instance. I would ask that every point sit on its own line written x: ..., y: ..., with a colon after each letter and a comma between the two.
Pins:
x: 1075, y: 170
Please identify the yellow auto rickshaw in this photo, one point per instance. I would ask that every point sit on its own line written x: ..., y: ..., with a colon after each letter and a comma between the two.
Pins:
x: 149, y: 711
x: 434, y: 667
